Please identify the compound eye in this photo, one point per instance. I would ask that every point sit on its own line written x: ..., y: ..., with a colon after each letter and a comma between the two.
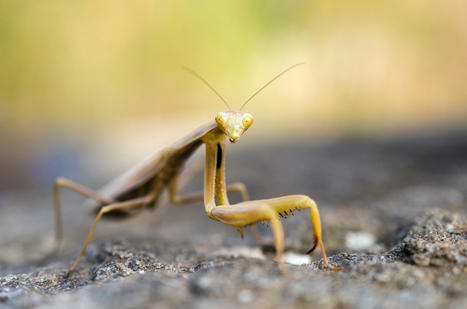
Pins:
x: 221, y: 117
x: 247, y: 120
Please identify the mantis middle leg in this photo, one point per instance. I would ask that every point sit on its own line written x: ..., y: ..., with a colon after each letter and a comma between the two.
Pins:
x: 198, y: 196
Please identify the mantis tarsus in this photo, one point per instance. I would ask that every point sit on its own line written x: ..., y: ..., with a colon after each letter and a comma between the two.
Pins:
x: 141, y: 186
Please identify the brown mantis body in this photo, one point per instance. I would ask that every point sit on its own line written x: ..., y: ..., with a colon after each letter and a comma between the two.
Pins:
x: 142, y: 185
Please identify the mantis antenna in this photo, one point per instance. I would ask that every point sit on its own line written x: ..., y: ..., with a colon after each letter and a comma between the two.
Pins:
x: 207, y: 84
x: 267, y: 84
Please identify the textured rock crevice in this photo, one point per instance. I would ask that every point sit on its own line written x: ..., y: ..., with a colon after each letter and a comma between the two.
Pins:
x: 438, y: 236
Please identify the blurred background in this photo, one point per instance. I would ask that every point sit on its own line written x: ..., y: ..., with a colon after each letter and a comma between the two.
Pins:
x: 91, y: 87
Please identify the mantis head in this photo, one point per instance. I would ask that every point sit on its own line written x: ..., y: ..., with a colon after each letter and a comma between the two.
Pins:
x: 234, y: 123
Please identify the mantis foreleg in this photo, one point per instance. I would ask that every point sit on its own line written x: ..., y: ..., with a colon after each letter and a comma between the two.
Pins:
x: 194, y: 197
x: 250, y: 212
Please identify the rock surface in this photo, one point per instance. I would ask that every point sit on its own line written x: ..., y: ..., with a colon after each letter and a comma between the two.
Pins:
x: 404, y: 201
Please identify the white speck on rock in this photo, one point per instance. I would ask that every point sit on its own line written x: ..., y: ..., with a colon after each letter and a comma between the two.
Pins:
x: 240, y: 252
x: 245, y: 296
x: 297, y: 259
x: 359, y: 240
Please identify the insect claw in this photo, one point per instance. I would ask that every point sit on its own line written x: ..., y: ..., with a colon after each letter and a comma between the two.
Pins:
x: 239, y: 229
x: 314, y: 246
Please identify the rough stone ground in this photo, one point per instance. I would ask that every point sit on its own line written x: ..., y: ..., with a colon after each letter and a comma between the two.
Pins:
x: 394, y: 216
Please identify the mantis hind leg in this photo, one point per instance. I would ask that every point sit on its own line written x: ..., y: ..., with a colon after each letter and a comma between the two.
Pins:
x: 128, y: 205
x: 68, y: 184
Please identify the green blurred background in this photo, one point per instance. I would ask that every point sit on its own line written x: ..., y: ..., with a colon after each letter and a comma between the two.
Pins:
x: 102, y: 80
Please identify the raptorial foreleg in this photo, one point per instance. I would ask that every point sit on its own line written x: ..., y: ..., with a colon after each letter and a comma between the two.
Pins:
x: 250, y: 212
x: 260, y: 210
x: 287, y: 204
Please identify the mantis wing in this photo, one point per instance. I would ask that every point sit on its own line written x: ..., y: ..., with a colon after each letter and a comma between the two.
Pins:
x: 156, y: 169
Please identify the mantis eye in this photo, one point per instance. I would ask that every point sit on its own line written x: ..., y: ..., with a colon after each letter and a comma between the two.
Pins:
x: 247, y: 120
x: 221, y: 117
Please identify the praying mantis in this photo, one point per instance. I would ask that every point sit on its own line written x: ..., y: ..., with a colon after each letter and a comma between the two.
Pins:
x: 141, y: 186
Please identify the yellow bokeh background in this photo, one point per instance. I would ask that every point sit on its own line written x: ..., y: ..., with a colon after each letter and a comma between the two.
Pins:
x: 110, y: 71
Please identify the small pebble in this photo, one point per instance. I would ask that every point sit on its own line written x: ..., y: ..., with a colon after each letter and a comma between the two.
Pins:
x: 297, y: 259
x: 382, y: 277
x: 245, y: 296
x: 359, y: 240
x: 421, y: 259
